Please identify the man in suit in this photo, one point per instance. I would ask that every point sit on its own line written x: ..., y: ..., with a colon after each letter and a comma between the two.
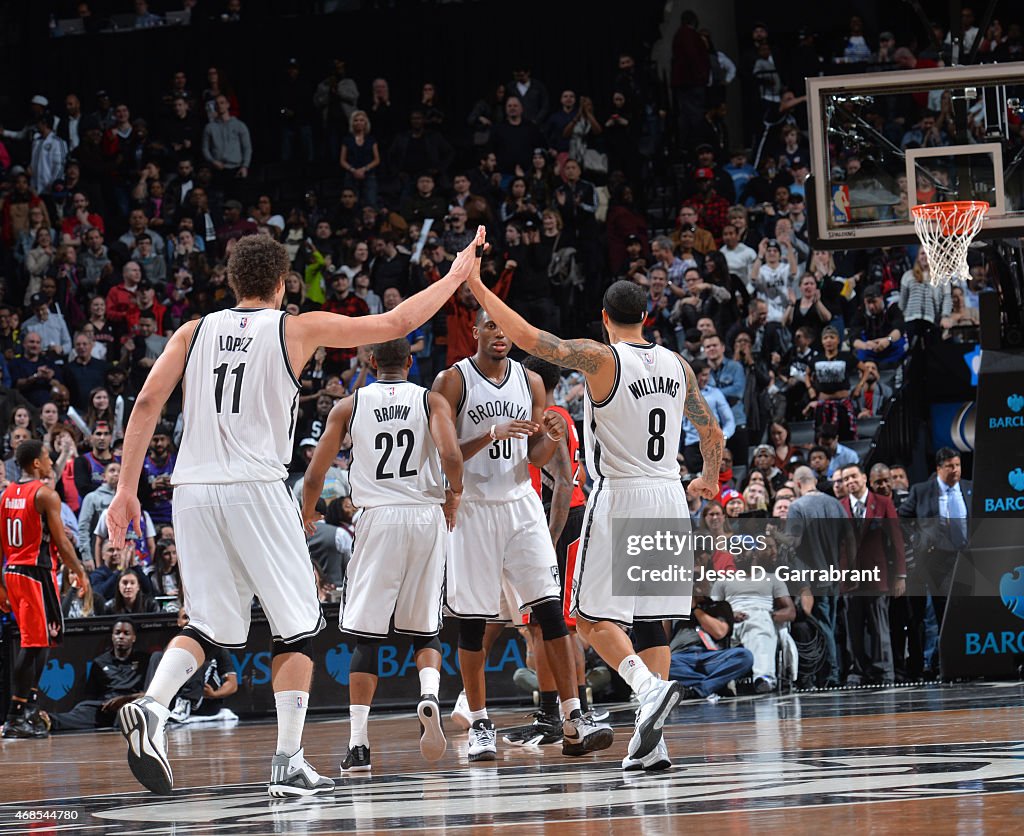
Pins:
x: 904, y: 642
x: 879, y: 548
x: 945, y: 499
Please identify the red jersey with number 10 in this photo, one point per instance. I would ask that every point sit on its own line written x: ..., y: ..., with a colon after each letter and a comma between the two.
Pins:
x: 544, y: 482
x: 23, y: 531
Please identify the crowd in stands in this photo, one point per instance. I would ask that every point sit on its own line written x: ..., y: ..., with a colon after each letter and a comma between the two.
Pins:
x: 117, y: 217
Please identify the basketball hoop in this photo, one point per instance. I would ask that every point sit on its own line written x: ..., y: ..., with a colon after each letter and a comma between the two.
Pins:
x: 946, y: 231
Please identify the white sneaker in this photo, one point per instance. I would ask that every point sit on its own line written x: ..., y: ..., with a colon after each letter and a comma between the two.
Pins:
x: 483, y: 741
x: 460, y: 714
x: 580, y: 734
x: 432, y: 740
x: 654, y: 762
x: 142, y: 724
x: 294, y: 776
x: 656, y: 703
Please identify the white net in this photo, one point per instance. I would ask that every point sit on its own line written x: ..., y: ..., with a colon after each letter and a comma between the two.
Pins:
x: 946, y: 231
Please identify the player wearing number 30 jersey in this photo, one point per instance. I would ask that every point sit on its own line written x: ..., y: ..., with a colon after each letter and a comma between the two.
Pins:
x: 637, y: 394
x: 239, y: 534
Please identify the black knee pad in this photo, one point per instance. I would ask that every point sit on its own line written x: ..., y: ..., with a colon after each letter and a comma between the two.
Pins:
x: 364, y: 657
x: 303, y: 646
x: 471, y: 634
x: 548, y: 615
x: 208, y: 647
x: 648, y: 634
x: 426, y: 643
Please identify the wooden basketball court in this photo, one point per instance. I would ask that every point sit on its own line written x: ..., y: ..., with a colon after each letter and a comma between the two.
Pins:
x: 936, y: 759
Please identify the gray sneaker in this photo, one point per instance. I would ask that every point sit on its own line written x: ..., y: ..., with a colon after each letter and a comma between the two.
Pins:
x: 294, y: 776
x: 142, y: 724
x: 656, y: 703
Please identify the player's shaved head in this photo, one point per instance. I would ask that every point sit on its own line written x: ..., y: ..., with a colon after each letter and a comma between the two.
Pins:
x: 549, y: 373
x: 392, y: 355
x: 625, y: 303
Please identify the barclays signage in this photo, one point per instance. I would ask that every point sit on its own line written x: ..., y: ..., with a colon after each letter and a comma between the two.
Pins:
x: 1011, y: 591
x: 1016, y: 404
x: 1015, y: 479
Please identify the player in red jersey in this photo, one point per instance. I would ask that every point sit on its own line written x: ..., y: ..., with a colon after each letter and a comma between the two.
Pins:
x: 33, y: 539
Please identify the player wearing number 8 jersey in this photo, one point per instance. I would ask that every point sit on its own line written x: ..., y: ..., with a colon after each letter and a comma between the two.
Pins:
x: 238, y: 532
x: 636, y: 396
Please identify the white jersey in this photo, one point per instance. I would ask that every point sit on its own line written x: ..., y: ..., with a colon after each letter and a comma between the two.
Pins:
x: 635, y: 431
x: 240, y: 400
x: 500, y: 472
x: 394, y: 460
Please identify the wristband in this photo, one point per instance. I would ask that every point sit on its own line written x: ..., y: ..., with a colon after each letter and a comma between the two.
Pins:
x: 479, y: 251
x: 493, y: 435
x: 549, y: 435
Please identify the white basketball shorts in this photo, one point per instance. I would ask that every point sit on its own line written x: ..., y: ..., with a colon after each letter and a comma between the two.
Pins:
x: 611, y: 499
x: 236, y: 541
x: 397, y: 569
x: 495, y: 540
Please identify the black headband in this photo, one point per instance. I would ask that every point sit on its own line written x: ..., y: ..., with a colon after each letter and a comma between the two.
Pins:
x: 621, y: 317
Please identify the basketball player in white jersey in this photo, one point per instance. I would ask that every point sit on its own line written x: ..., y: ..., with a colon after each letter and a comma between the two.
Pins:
x: 636, y: 396
x: 502, y: 533
x: 402, y: 438
x: 238, y: 532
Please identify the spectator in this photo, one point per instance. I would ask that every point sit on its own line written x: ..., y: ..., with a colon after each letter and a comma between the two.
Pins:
x: 129, y: 598
x: 839, y: 456
x: 514, y: 139
x: 74, y: 227
x: 419, y: 150
x: 879, y: 549
x: 719, y: 408
x: 19, y: 435
x: 49, y: 153
x: 90, y: 467
x: 93, y: 505
x: 39, y: 261
x: 83, y: 372
x: 116, y: 677
x: 158, y: 466
x: 698, y: 660
x: 51, y: 327
x: 360, y: 158
x: 712, y: 208
x: 295, y: 110
x: 961, y: 320
x: 658, y: 325
x: 730, y: 379
x: 226, y: 143
x: 879, y: 331
x: 831, y: 376
x: 122, y: 299
x: 164, y: 573
x: 390, y: 267
x: 945, y: 499
x: 343, y: 301
x: 138, y: 224
x: 923, y: 304
x: 759, y: 608
x: 330, y: 545
x: 34, y: 371
x: 425, y: 203
x: 147, y: 303
x: 870, y: 394
x: 773, y: 278
x: 690, y: 73
x: 625, y: 223
x: 93, y: 261
x: 337, y: 97
x: 532, y: 94
x: 138, y: 550
x: 142, y: 350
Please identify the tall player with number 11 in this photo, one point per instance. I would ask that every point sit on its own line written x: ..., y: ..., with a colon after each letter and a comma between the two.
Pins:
x: 237, y: 528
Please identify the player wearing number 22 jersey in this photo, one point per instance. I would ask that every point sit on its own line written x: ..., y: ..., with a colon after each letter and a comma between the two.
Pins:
x: 238, y: 531
x: 636, y: 397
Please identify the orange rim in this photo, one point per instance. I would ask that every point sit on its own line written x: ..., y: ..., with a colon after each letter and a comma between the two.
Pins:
x: 948, y: 211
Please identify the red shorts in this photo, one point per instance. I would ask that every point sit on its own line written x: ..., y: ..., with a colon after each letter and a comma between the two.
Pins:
x: 35, y: 603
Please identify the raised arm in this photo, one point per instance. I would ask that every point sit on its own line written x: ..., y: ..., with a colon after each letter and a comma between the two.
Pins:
x: 163, y: 377
x: 319, y: 328
x: 594, y: 359
x: 326, y: 452
x: 712, y: 440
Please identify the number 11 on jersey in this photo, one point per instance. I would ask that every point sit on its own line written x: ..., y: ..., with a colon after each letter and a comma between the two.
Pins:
x: 221, y: 373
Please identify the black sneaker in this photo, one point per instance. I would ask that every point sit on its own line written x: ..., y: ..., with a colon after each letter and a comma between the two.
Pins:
x: 432, y: 739
x: 38, y: 721
x: 21, y: 727
x: 545, y: 729
x: 581, y: 735
x: 357, y: 759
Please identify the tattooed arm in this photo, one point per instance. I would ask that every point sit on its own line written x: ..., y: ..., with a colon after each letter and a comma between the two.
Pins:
x: 594, y: 359
x: 712, y: 439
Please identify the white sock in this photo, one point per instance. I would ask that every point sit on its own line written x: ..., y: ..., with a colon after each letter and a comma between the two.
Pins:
x: 430, y: 681
x: 359, y: 717
x: 636, y: 673
x: 175, y: 669
x: 569, y: 706
x: 291, y: 716
x: 477, y: 715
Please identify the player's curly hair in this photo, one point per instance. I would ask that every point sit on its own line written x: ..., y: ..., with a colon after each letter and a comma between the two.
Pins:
x: 257, y: 267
